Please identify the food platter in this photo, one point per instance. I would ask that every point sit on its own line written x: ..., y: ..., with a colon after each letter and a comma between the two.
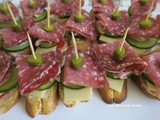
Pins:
x: 136, y: 106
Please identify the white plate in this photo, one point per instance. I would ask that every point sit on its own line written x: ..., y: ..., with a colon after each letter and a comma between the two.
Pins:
x: 137, y: 106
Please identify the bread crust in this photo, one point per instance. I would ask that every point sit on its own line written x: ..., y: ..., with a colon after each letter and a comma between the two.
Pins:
x: 9, y: 101
x: 46, y: 105
x: 111, y: 96
x: 139, y: 84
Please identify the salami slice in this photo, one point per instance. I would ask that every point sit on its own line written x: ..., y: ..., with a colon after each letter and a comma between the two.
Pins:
x: 99, y: 8
x: 7, y: 17
x: 135, y: 29
x: 87, y: 28
x: 56, y: 36
x: 12, y: 39
x: 5, y: 65
x: 88, y: 75
x: 152, y: 69
x: 103, y: 56
x: 141, y: 10
x: 105, y: 24
x: 32, y: 78
x: 41, y: 4
x: 63, y: 9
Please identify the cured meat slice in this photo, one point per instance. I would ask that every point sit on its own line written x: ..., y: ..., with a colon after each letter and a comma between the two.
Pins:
x: 62, y: 9
x: 103, y: 56
x: 88, y: 75
x: 12, y: 39
x: 141, y: 10
x: 32, y: 78
x: 152, y: 69
x: 87, y: 28
x: 56, y: 36
x: 5, y: 18
x: 41, y: 4
x: 135, y: 29
x: 105, y: 24
x: 5, y: 65
x: 99, y: 8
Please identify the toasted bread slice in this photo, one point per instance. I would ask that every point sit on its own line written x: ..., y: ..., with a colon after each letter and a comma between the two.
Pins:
x: 46, y: 105
x: 111, y: 96
x: 141, y: 83
x: 9, y: 100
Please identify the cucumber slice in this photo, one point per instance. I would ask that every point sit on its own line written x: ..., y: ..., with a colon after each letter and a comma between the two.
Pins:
x: 74, y: 87
x: 15, y: 49
x: 148, y: 43
x: 41, y: 17
x: 112, y: 36
x: 47, y: 86
x: 147, y: 78
x: 107, y: 39
x: 110, y: 75
x: 45, y: 45
x: 67, y: 16
x: 11, y: 83
x: 9, y: 23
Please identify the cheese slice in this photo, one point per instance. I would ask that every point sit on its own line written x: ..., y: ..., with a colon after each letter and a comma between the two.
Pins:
x: 152, y: 87
x: 77, y: 95
x: 38, y: 94
x: 115, y: 84
x: 44, y: 50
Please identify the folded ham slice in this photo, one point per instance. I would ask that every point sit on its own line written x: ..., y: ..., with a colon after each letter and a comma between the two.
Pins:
x: 41, y: 4
x: 7, y: 17
x: 5, y: 66
x: 105, y: 24
x: 88, y: 75
x: 32, y: 78
x: 63, y: 9
x: 152, y: 69
x: 103, y: 57
x: 86, y: 29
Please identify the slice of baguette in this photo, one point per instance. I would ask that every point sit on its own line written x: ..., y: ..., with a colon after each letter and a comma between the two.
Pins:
x: 141, y: 84
x: 61, y: 94
x: 46, y: 105
x: 9, y: 100
x: 111, y: 96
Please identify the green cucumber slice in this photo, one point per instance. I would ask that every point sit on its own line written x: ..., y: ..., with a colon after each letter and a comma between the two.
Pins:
x: 11, y: 83
x: 15, y: 49
x: 45, y: 45
x: 5, y: 24
x: 110, y: 75
x: 47, y: 86
x: 147, y: 78
x: 74, y: 87
x: 148, y: 43
x: 64, y: 17
x: 41, y: 17
x: 107, y: 39
x: 112, y: 36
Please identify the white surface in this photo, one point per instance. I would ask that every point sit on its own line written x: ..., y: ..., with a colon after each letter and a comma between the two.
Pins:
x: 136, y: 107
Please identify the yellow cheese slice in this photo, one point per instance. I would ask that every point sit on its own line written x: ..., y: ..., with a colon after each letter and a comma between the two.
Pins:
x: 77, y: 95
x: 115, y: 84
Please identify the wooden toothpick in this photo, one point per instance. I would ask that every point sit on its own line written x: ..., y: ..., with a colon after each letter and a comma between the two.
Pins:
x: 124, y: 37
x: 4, y: 2
x: 31, y: 1
x: 48, y: 14
x: 10, y: 11
x: 80, y: 5
x: 31, y: 46
x: 150, y: 10
x: 119, y: 4
x: 75, y: 46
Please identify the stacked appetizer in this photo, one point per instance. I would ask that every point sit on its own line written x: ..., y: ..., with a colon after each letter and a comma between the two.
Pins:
x: 9, y: 92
